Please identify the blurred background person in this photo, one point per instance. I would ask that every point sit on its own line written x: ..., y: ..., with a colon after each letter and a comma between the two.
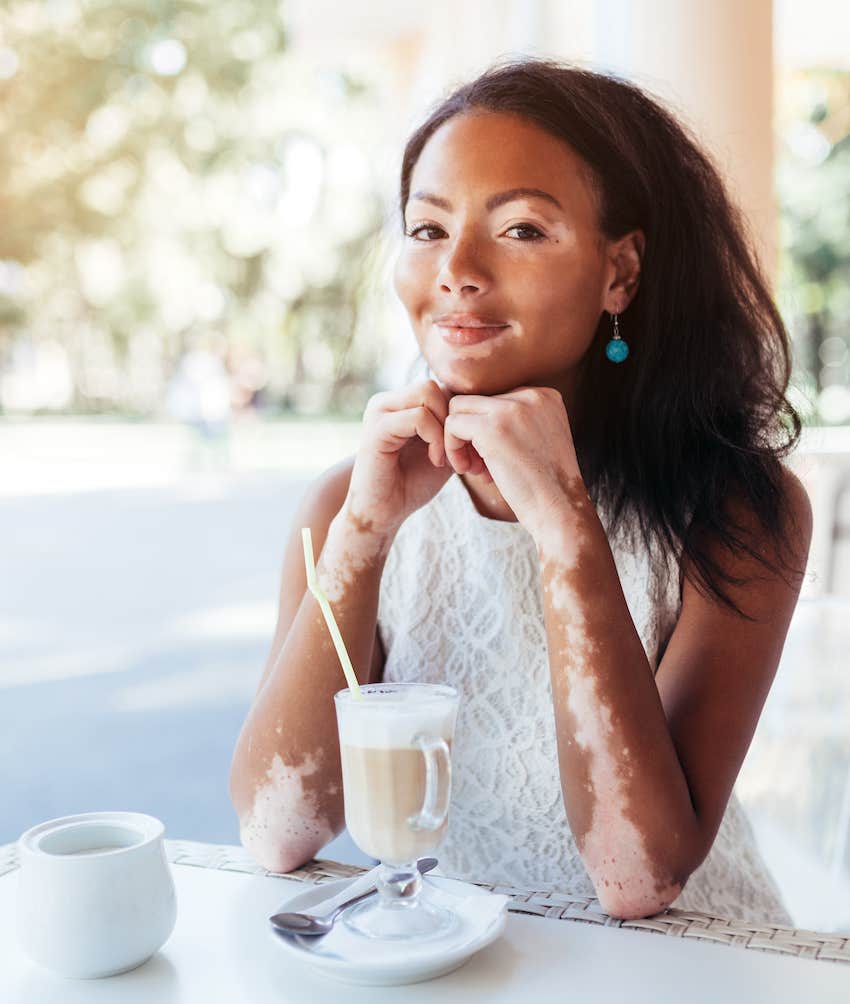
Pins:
x: 199, y: 394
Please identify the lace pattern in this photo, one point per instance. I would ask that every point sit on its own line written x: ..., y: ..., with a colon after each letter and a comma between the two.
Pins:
x: 471, y: 615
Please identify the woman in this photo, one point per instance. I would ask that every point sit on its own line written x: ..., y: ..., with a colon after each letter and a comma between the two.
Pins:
x: 582, y: 521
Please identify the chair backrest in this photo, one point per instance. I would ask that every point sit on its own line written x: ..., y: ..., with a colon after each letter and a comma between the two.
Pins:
x: 838, y: 559
x: 795, y: 782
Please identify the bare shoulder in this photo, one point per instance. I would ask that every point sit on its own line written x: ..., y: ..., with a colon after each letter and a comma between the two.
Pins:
x: 798, y: 504
x: 325, y: 496
x: 796, y: 519
x: 786, y: 551
x: 789, y: 547
x: 321, y: 502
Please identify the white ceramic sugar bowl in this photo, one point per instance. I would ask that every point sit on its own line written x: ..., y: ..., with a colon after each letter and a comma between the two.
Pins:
x: 95, y: 893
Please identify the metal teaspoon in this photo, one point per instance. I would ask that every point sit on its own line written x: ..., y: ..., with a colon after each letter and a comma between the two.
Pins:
x: 304, y: 924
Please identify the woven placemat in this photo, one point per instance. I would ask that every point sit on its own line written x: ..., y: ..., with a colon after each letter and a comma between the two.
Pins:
x: 551, y: 905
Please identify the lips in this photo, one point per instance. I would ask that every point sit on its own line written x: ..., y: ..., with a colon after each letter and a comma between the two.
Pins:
x: 468, y: 329
x: 458, y: 319
x: 469, y: 336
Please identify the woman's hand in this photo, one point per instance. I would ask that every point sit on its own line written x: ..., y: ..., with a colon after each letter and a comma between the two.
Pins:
x: 525, y: 445
x: 401, y: 463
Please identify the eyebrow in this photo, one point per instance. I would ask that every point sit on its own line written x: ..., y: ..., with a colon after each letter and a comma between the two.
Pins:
x: 499, y: 199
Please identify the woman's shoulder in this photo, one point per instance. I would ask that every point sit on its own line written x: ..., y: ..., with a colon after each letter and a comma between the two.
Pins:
x: 319, y: 504
x: 794, y: 506
x: 756, y: 556
x: 327, y: 492
x: 795, y: 510
x: 798, y: 503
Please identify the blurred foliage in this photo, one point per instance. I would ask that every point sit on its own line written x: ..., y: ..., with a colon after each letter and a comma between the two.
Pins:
x: 813, y: 180
x: 172, y: 175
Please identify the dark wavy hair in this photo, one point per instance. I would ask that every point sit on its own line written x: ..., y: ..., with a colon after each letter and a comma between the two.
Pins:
x: 697, y: 414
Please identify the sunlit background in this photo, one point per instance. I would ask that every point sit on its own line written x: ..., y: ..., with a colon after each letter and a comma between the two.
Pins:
x: 198, y: 229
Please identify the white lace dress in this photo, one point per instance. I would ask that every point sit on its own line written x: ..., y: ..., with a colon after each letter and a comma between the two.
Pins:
x: 461, y: 603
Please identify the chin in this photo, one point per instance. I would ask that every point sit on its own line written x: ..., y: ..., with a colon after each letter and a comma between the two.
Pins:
x: 485, y: 386
x: 456, y: 383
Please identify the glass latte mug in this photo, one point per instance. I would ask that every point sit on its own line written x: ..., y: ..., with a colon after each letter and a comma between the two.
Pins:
x: 395, y: 746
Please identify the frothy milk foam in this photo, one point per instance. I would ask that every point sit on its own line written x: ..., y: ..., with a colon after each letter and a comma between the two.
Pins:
x: 383, y: 773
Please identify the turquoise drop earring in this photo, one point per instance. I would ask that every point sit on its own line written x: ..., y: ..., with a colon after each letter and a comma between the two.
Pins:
x: 616, y: 350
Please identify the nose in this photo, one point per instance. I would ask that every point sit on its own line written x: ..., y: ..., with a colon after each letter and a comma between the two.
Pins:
x: 463, y: 267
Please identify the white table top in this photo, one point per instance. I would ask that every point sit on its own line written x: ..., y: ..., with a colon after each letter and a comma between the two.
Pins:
x: 221, y: 950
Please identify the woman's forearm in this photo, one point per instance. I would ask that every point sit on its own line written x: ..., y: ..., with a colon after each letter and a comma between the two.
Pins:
x: 625, y: 793
x: 286, y: 780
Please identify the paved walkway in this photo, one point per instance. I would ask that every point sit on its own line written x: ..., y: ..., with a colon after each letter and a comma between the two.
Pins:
x: 137, y: 603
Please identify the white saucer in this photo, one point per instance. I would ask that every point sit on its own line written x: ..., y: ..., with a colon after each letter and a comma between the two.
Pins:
x: 351, y: 958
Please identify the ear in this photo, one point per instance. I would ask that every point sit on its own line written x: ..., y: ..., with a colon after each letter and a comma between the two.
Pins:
x: 623, y: 265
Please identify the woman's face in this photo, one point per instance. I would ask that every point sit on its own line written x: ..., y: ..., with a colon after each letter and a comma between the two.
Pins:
x: 536, y: 264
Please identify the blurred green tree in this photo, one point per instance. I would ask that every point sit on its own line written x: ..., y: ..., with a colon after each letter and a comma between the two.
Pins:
x: 170, y: 172
x: 814, y: 191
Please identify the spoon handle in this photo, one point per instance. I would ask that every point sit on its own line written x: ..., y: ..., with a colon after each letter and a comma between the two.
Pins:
x: 329, y: 917
x: 301, y: 923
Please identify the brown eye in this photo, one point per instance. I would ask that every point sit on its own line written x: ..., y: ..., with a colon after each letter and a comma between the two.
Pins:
x: 422, y: 226
x: 536, y: 234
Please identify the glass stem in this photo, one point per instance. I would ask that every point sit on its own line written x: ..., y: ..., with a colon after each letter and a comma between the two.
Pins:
x: 399, y: 885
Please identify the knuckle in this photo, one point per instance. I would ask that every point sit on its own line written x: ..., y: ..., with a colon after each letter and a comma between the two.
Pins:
x: 504, y: 419
x: 426, y: 390
x: 434, y: 396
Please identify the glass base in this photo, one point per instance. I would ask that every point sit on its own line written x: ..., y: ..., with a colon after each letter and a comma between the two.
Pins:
x: 399, y: 921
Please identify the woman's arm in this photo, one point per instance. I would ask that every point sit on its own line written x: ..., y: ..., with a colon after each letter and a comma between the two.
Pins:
x: 647, y: 764
x: 285, y: 780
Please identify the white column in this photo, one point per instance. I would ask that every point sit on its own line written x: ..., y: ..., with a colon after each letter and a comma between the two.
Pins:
x: 712, y: 65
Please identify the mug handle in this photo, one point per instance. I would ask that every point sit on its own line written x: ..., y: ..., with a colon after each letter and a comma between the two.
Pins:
x: 434, y: 809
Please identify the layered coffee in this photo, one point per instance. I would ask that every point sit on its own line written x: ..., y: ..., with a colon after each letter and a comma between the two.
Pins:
x: 383, y: 776
x: 384, y: 788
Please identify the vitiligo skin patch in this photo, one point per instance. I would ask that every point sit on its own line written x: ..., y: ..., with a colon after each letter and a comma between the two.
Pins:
x: 338, y: 573
x: 285, y: 824
x: 609, y: 765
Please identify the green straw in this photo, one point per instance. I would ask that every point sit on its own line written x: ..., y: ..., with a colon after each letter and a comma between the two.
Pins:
x: 315, y: 589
